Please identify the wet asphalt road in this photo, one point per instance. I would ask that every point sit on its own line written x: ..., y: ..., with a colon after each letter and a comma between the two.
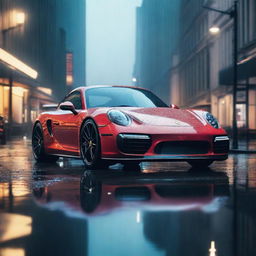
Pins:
x: 163, y: 209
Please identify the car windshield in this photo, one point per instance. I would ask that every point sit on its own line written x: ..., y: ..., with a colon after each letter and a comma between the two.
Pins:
x: 121, y: 97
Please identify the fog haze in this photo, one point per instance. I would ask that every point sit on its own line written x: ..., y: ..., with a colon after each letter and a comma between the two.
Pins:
x: 110, y: 32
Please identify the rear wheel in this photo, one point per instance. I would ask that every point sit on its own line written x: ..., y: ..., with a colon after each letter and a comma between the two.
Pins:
x: 200, y: 164
x: 90, y: 145
x: 38, y: 145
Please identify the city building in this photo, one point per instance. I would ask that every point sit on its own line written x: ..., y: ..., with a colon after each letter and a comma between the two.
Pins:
x: 71, y: 16
x: 30, y: 39
x: 156, y: 37
x: 202, y: 75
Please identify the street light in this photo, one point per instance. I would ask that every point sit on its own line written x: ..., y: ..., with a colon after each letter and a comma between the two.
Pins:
x: 233, y: 14
x: 20, y: 18
x: 214, y: 30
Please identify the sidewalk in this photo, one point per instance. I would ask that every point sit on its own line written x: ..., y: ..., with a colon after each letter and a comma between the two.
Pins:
x: 244, y: 147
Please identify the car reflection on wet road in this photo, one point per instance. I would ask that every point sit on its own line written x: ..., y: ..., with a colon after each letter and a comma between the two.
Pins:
x: 162, y: 209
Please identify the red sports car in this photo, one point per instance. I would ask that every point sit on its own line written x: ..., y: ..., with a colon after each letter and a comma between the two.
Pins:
x: 107, y: 124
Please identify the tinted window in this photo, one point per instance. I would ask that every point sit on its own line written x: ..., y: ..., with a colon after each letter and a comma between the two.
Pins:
x: 121, y: 97
x: 75, y: 98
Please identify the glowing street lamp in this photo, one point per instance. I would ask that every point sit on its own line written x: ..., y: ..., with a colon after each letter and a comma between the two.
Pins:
x: 214, y: 30
x: 20, y: 18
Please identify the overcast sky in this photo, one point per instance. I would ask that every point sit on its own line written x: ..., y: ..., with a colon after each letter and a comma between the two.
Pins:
x: 110, y: 35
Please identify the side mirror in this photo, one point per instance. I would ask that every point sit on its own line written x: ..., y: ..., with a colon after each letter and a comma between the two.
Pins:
x: 174, y: 106
x: 67, y: 105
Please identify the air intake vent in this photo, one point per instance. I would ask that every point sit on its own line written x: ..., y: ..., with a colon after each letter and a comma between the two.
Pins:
x: 221, y: 146
x: 182, y: 148
x: 133, y: 143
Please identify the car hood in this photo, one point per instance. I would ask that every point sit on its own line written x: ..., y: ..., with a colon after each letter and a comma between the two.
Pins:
x: 166, y: 117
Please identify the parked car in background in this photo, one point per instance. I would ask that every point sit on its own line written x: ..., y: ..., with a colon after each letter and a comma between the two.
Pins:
x: 2, y: 131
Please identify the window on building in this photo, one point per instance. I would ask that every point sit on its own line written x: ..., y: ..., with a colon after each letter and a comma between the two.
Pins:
x: 252, y: 20
x: 19, y: 103
x: 252, y: 109
x: 4, y: 97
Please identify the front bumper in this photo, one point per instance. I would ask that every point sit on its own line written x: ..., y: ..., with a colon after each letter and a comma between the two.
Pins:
x: 111, y: 148
x: 164, y: 147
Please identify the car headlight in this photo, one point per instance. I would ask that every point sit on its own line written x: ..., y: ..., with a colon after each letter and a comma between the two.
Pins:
x: 119, y: 117
x: 212, y: 120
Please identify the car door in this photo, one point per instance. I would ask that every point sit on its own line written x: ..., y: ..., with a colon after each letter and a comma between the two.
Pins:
x: 66, y: 125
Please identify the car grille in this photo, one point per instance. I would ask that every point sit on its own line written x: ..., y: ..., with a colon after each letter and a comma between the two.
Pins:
x: 221, y: 146
x: 133, y: 144
x: 182, y: 147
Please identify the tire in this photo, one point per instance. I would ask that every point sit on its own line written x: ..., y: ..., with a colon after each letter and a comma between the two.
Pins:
x: 38, y: 146
x: 200, y: 164
x: 90, y: 148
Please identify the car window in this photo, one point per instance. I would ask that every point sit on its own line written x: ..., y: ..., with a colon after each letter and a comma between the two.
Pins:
x: 98, y: 101
x: 75, y: 98
x: 121, y: 97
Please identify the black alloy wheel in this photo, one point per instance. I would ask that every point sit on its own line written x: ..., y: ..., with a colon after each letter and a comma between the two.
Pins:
x: 90, y: 145
x: 38, y: 145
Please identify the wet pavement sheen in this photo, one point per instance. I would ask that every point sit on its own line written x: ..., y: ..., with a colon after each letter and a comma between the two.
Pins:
x: 163, y: 209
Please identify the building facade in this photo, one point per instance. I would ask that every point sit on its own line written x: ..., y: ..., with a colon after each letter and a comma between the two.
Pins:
x: 37, y: 41
x: 156, y: 30
x: 203, y: 73
x: 71, y: 16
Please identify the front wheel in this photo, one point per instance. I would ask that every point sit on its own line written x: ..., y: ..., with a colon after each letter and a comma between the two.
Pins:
x: 200, y: 164
x: 90, y: 149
